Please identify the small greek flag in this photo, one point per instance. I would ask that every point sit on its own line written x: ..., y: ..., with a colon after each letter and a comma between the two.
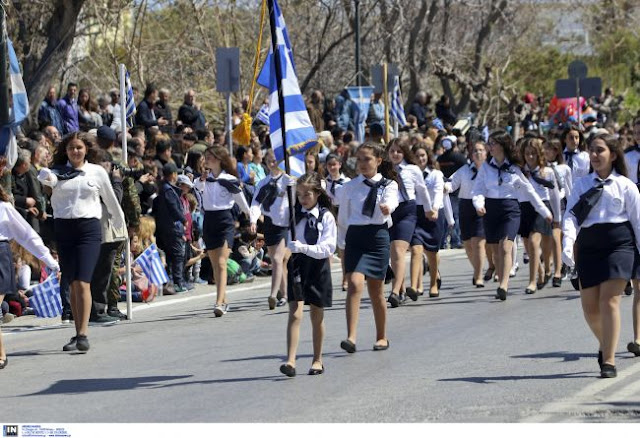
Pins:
x: 151, y: 264
x: 46, y: 300
x: 397, y: 111
x: 131, y: 105
x: 263, y: 114
x: 20, y: 110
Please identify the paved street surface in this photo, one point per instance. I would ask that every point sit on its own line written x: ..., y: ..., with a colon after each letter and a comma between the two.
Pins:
x: 463, y: 357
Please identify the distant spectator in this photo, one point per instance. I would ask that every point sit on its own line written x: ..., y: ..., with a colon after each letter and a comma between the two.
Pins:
x: 163, y: 111
x: 189, y: 113
x: 48, y: 113
x: 68, y: 109
x: 420, y: 107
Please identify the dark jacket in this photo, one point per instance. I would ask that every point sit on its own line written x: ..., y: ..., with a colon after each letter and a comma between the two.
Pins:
x: 167, y: 210
x: 144, y: 115
x: 191, y: 116
x: 445, y: 114
x: 451, y: 161
x: 419, y: 111
x: 27, y: 186
x: 162, y: 109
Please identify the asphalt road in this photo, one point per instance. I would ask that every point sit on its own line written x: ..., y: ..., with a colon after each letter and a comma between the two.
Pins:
x: 462, y: 357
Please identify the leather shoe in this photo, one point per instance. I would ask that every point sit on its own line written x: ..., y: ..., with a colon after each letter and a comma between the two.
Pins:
x: 411, y: 293
x: 608, y: 371
x: 348, y: 346
x: 394, y: 300
x: 529, y: 291
x: 557, y: 282
x: 316, y: 371
x: 634, y: 347
x: 377, y: 347
x: 288, y: 370
x: 501, y: 293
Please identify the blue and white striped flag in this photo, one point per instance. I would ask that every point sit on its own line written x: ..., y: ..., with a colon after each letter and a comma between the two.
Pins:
x: 131, y: 104
x: 46, y: 301
x: 361, y: 96
x: 20, y: 109
x: 300, y: 134
x: 152, y: 267
x: 397, y: 111
x: 263, y: 114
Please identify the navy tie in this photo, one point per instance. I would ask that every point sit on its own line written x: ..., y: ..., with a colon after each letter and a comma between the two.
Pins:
x: 339, y: 182
x: 474, y: 170
x: 310, y: 228
x: 65, y: 172
x: 369, y: 205
x: 568, y: 157
x: 504, y: 167
x: 231, y: 186
x: 268, y: 193
x: 588, y: 200
x: 535, y: 175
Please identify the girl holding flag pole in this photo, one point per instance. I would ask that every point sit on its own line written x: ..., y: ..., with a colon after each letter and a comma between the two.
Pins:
x: 14, y: 227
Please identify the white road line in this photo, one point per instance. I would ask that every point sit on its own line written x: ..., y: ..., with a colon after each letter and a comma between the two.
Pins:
x: 586, y: 395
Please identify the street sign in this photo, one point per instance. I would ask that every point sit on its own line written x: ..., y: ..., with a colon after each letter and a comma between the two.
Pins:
x: 376, y: 77
x: 577, y: 70
x: 589, y: 87
x: 228, y: 69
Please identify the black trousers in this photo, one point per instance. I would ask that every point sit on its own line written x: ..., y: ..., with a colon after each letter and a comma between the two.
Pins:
x: 173, y: 246
x: 102, y: 277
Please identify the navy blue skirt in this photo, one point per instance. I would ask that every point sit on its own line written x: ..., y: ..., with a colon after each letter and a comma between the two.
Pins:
x: 605, y: 252
x: 404, y: 221
x: 367, y: 250
x: 273, y: 234
x: 532, y: 222
x: 471, y: 225
x: 429, y: 233
x: 502, y: 219
x: 218, y: 228
x: 7, y: 270
x: 314, y: 277
x: 79, y: 243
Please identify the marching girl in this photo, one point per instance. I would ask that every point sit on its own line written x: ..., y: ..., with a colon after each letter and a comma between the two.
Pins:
x: 271, y: 201
x: 430, y: 226
x: 14, y: 227
x: 534, y: 229
x: 411, y: 188
x: 334, y: 181
x: 77, y: 188
x: 471, y: 225
x: 220, y: 188
x: 555, y: 160
x: 366, y: 204
x: 309, y: 270
x: 603, y: 221
x: 574, y: 153
x: 632, y: 159
x: 495, y: 198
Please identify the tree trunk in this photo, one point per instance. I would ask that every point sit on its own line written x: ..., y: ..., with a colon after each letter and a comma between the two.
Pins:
x: 41, y: 66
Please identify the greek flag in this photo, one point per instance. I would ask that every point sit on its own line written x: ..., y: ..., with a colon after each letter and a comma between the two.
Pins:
x: 397, y: 111
x: 20, y: 110
x: 152, y: 267
x: 299, y: 132
x: 361, y: 96
x: 131, y: 105
x: 46, y: 300
x: 263, y: 114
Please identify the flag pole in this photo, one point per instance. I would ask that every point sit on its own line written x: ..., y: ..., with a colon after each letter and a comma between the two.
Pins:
x: 125, y: 158
x: 386, y: 102
x: 4, y: 91
x: 278, y: 69
x: 396, y: 124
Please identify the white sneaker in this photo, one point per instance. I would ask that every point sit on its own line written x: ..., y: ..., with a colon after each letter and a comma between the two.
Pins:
x: 282, y: 302
x: 220, y: 310
x: 513, y: 271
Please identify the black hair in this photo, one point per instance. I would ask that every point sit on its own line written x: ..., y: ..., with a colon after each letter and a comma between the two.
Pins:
x: 403, y: 145
x: 582, y: 144
x: 510, y: 151
x: 385, y: 168
x: 60, y: 157
x: 314, y: 180
x: 151, y: 88
x: 612, y: 142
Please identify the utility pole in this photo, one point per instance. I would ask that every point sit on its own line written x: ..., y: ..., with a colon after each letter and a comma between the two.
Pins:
x: 357, y: 19
x: 4, y: 90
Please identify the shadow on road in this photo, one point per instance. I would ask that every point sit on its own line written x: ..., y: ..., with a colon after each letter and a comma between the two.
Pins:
x: 98, y: 385
x: 494, y: 379
x: 566, y: 356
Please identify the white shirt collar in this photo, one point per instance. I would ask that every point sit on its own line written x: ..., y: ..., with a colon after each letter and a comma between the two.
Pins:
x: 315, y: 211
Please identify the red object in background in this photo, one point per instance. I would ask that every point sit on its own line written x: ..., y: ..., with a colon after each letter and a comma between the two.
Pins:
x: 15, y: 308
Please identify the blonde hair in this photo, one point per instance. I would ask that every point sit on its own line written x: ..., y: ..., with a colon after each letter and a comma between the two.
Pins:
x: 146, y: 231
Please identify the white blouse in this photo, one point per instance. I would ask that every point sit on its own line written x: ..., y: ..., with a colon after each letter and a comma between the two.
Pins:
x: 632, y: 157
x: 620, y: 202
x: 327, y: 235
x: 336, y: 185
x: 505, y: 185
x: 563, y: 174
x: 14, y: 227
x: 434, y: 181
x: 79, y: 197
x: 215, y: 197
x: 580, y: 163
x: 546, y: 194
x: 461, y: 179
x: 279, y: 211
x: 352, y: 195
x: 414, y: 183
